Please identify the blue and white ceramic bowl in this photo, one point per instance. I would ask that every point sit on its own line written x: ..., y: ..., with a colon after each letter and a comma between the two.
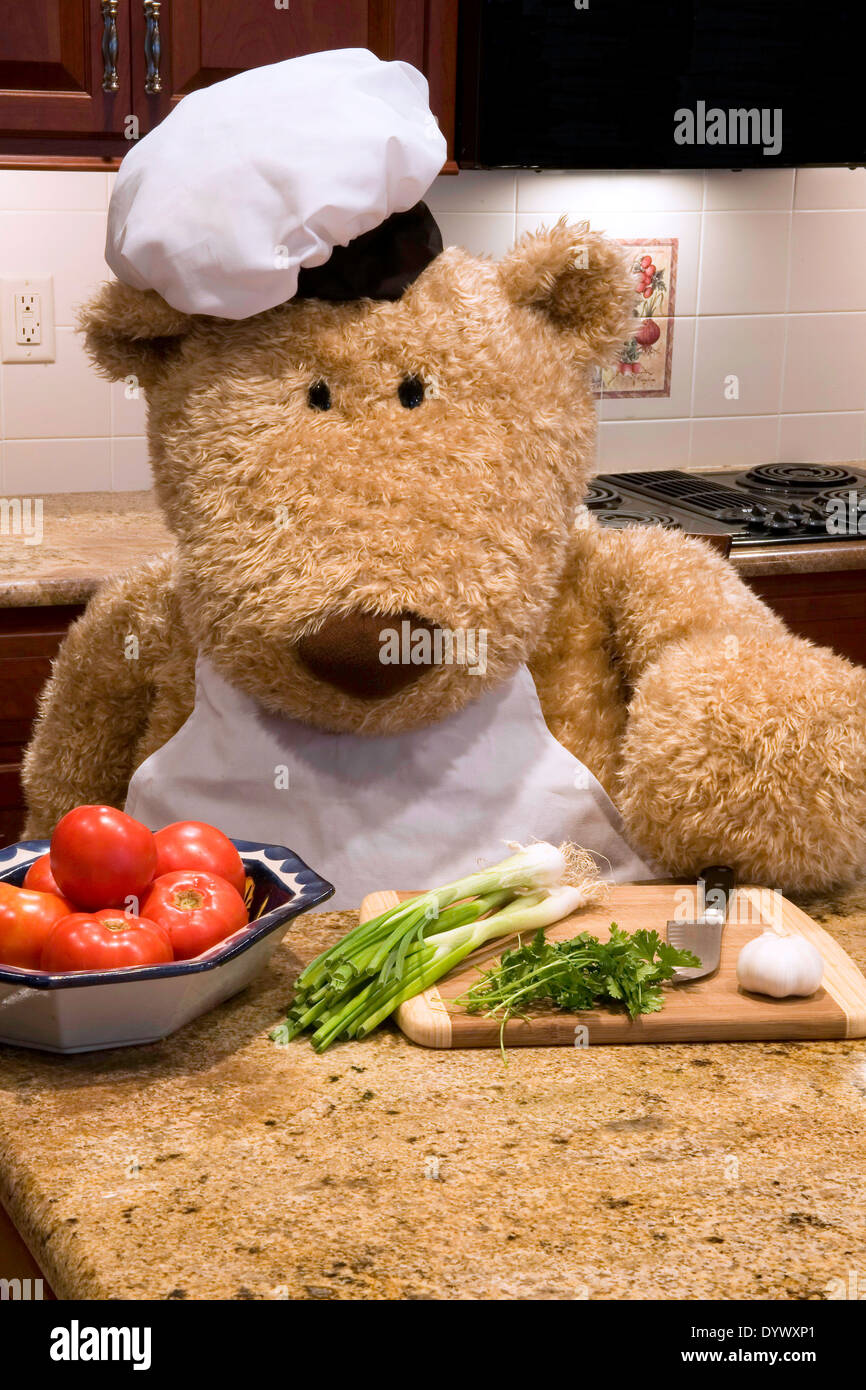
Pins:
x: 88, y: 1010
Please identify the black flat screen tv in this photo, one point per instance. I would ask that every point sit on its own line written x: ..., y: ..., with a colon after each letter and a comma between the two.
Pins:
x: 626, y: 84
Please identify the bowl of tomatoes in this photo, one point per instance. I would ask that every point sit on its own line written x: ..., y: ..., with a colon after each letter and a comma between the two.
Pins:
x: 112, y: 935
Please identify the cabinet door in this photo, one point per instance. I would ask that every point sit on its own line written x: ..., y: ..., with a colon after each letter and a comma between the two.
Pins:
x: 29, y: 639
x: 200, y: 43
x: 52, y: 68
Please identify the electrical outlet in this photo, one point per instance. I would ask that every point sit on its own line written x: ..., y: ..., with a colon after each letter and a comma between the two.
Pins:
x: 27, y: 318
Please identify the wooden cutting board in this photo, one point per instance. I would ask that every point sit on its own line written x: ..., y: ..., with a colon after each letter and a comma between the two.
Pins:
x: 714, y: 1009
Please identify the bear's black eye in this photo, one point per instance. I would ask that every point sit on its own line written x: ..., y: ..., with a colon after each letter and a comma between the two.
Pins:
x: 319, y: 396
x: 411, y: 391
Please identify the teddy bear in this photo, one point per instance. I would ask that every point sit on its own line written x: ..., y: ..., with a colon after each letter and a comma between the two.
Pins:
x: 334, y: 469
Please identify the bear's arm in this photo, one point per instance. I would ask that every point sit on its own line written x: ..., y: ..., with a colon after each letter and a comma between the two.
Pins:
x: 738, y: 742
x: 624, y: 597
x: 121, y: 685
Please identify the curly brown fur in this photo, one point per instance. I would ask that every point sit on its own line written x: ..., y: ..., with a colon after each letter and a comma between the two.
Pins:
x: 719, y: 735
x: 130, y: 332
x: 575, y: 277
x: 458, y: 510
x: 121, y: 686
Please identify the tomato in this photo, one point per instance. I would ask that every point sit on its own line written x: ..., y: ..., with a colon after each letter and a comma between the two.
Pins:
x: 104, y: 940
x: 26, y: 919
x: 101, y: 857
x: 190, y: 844
x: 645, y: 261
x: 650, y: 270
x: 40, y: 877
x: 648, y: 294
x: 197, y: 909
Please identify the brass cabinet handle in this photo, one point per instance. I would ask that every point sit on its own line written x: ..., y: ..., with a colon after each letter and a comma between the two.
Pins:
x: 152, y: 46
x: 110, y: 80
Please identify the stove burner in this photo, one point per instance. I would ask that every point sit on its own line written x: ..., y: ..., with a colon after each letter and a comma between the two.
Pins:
x: 793, y: 477
x: 620, y: 519
x: 849, y: 519
x: 844, y: 494
x: 599, y: 498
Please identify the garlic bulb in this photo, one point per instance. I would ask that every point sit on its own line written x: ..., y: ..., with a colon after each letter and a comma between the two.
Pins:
x: 780, y: 965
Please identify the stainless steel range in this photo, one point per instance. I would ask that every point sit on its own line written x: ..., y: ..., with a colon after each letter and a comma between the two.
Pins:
x: 774, y: 504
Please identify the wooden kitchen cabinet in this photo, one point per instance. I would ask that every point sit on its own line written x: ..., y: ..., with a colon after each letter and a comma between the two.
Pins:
x: 29, y: 638
x: 828, y: 608
x: 16, y: 1261
x: 58, y: 56
x: 52, y: 71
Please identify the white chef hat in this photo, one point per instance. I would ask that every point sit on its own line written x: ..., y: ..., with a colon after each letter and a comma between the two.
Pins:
x: 250, y: 180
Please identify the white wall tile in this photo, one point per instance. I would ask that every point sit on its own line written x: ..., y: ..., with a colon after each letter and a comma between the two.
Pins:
x: 828, y: 261
x: 481, y: 233
x: 130, y: 465
x: 744, y: 263
x: 829, y: 438
x: 734, y: 442
x: 34, y: 466
x: 750, y: 348
x: 825, y: 367
x: 62, y: 190
x: 830, y: 188
x: 128, y: 413
x: 71, y: 247
x: 56, y: 400
x: 588, y: 192
x: 675, y: 406
x: 489, y: 190
x: 753, y: 190
x: 630, y: 445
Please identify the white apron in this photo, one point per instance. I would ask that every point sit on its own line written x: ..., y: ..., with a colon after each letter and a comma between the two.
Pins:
x: 407, y: 810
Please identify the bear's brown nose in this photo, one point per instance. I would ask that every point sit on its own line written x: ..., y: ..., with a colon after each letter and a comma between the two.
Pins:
x: 366, y: 654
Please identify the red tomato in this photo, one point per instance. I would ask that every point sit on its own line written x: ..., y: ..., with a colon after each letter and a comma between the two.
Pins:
x: 190, y: 844
x: 26, y: 919
x: 197, y: 910
x: 645, y: 261
x: 101, y: 857
x: 648, y: 294
x: 650, y: 270
x: 40, y: 877
x: 104, y: 940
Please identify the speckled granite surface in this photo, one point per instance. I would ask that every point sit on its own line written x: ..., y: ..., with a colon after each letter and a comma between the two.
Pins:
x: 85, y: 539
x: 218, y: 1165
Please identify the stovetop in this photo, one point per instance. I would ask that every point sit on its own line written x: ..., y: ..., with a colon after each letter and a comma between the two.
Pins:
x: 773, y: 504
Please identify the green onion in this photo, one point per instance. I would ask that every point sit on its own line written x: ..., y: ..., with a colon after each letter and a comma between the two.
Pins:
x: 351, y: 988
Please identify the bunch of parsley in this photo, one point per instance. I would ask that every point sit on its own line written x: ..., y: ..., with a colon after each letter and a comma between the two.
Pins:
x: 628, y: 970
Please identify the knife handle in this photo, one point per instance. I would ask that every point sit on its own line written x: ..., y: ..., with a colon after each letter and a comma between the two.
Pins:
x: 717, y: 883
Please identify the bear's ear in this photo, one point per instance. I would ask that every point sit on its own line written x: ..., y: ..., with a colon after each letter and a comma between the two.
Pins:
x: 578, y: 278
x: 131, y: 332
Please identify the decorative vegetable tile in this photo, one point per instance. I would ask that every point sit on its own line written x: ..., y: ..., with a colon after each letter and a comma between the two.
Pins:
x: 644, y: 366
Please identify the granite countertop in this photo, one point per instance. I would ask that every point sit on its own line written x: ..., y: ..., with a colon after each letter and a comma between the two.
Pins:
x: 215, y: 1164
x: 88, y: 537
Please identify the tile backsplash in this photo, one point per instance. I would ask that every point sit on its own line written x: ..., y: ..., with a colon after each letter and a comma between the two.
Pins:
x: 768, y: 355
